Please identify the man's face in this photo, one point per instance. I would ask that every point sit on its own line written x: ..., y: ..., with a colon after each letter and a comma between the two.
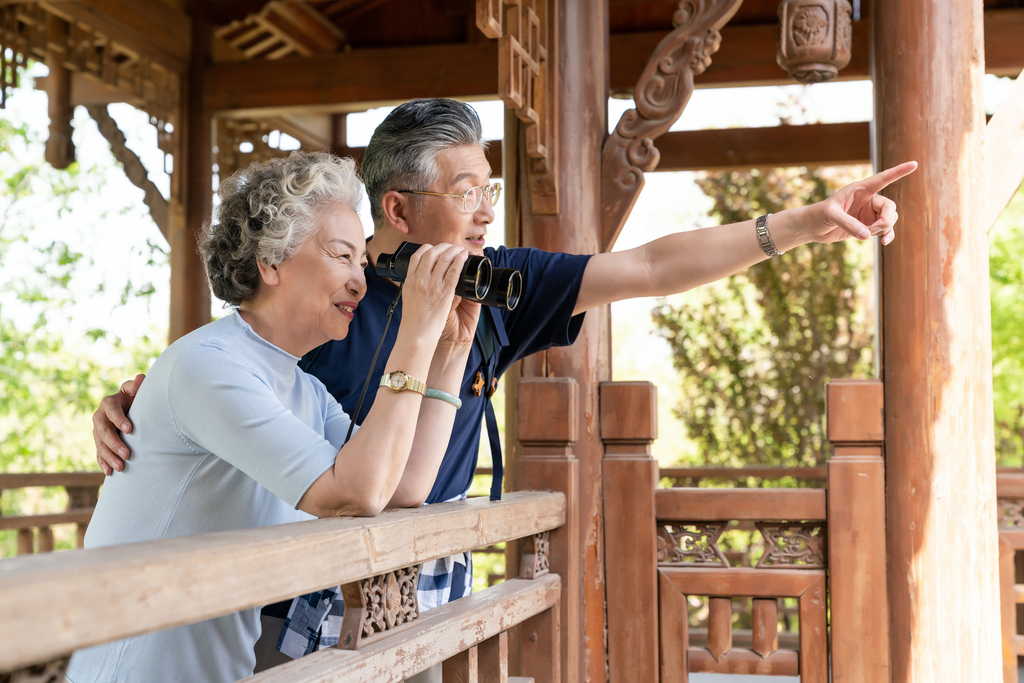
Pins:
x: 433, y: 220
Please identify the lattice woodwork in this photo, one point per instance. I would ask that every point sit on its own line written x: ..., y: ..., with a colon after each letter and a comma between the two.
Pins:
x: 793, y: 546
x: 379, y: 606
x: 232, y: 134
x: 50, y: 672
x: 809, y: 660
x: 683, y: 543
x: 535, y: 561
x: 151, y: 86
x: 1011, y: 512
x: 526, y: 83
x: 282, y: 28
x: 661, y: 94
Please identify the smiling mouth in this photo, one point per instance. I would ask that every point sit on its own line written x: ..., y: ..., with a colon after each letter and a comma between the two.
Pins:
x: 348, y: 310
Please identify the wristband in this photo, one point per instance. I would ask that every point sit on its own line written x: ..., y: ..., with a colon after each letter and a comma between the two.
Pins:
x: 443, y: 396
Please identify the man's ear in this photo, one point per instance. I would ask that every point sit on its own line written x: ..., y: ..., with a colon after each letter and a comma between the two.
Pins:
x: 396, y: 207
x: 269, y: 274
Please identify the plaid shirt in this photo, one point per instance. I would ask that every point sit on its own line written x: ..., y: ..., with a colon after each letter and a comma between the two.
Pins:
x: 314, y: 620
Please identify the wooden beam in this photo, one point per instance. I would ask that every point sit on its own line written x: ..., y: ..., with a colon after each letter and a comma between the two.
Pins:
x: 470, y: 70
x: 712, y: 505
x: 741, y: 148
x: 441, y: 633
x: 368, y: 75
x: 18, y: 481
x: 1004, y: 153
x: 153, y: 30
x: 156, y: 584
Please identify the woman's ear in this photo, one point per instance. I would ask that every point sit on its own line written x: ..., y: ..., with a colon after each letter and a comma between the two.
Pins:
x: 396, y: 207
x: 269, y: 274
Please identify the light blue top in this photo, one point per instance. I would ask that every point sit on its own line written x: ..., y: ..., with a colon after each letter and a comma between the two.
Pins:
x: 229, y: 434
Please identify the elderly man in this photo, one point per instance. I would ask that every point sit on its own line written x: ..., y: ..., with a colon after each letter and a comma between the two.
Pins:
x: 429, y: 182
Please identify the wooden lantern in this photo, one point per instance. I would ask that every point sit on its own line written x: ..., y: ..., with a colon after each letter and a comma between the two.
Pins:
x: 814, y: 38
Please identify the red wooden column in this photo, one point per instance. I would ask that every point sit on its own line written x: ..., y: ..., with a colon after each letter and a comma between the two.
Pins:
x: 191, y: 188
x: 927, y: 66
x: 629, y: 424
x: 856, y: 532
x: 580, y: 58
x: 548, y: 420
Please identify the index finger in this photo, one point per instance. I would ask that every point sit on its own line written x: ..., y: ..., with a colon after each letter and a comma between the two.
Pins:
x: 880, y: 181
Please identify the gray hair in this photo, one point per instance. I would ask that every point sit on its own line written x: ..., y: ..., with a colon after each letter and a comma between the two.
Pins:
x: 267, y: 212
x: 402, y: 153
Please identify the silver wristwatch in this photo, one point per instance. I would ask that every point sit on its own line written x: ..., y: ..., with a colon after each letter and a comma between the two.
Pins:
x: 764, y: 239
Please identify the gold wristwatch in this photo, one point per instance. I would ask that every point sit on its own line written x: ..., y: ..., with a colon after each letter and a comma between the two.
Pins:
x: 399, y: 381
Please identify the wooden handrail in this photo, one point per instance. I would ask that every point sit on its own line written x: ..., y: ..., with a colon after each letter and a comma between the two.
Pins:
x: 103, y: 594
x: 50, y: 519
x: 440, y: 633
x: 25, y: 480
x: 759, y: 471
x: 709, y: 505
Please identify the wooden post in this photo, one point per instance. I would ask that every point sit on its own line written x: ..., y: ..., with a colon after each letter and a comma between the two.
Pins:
x: 579, y: 94
x: 191, y: 189
x: 1008, y: 609
x: 856, y: 532
x: 927, y: 66
x: 60, y: 150
x: 26, y: 542
x: 548, y: 421
x: 629, y: 424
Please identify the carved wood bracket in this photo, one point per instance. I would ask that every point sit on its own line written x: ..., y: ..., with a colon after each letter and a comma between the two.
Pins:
x: 535, y: 561
x: 379, y: 606
x: 526, y: 83
x: 661, y: 94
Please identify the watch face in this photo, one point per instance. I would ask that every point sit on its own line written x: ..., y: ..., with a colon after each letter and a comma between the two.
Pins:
x: 398, y: 380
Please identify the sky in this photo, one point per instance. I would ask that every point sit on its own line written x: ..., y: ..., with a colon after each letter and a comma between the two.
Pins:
x: 113, y: 227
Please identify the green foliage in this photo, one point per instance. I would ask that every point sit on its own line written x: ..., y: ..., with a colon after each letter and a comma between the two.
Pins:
x: 1006, y: 268
x: 755, y: 351
x: 50, y: 379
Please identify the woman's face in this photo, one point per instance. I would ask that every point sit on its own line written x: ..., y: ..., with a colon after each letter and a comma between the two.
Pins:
x: 324, y: 282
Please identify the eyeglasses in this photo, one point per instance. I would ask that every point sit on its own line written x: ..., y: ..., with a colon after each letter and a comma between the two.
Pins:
x: 471, y: 198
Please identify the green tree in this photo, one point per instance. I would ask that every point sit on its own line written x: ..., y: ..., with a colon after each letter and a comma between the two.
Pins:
x: 755, y: 351
x: 1006, y: 268
x: 50, y: 378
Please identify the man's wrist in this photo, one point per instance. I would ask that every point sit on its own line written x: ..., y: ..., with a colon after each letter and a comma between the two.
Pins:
x: 788, y: 228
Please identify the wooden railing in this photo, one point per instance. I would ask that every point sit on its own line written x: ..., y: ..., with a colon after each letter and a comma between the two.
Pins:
x: 82, y: 489
x: 1010, y: 502
x: 99, y: 595
x: 95, y: 596
x: 664, y: 553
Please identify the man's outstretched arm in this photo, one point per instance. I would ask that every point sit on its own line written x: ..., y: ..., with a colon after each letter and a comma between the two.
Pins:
x: 685, y: 260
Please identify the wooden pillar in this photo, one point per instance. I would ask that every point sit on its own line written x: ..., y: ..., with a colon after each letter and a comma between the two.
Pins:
x: 60, y: 150
x: 856, y: 532
x: 927, y: 66
x: 629, y: 425
x: 579, y: 57
x: 192, y: 183
x: 548, y: 428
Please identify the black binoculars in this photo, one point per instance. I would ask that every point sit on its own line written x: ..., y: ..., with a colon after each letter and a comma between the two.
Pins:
x: 479, y: 280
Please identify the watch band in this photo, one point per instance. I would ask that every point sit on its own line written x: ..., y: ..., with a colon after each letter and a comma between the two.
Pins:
x: 400, y: 381
x: 444, y: 396
x: 764, y: 239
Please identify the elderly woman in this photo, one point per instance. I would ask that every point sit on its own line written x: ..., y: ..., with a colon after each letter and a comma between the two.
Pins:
x: 232, y: 434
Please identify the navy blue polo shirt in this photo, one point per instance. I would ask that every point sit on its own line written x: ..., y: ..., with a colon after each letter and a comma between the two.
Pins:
x: 543, y: 319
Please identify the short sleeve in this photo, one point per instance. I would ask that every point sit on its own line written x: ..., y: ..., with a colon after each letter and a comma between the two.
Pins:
x: 543, y: 318
x: 220, y: 405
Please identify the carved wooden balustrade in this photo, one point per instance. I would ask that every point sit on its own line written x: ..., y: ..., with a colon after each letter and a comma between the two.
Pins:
x: 822, y: 548
x: 1010, y: 510
x: 374, y: 560
x: 35, y: 532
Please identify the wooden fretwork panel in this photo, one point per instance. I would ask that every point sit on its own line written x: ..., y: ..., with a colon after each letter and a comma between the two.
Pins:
x: 679, y: 658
